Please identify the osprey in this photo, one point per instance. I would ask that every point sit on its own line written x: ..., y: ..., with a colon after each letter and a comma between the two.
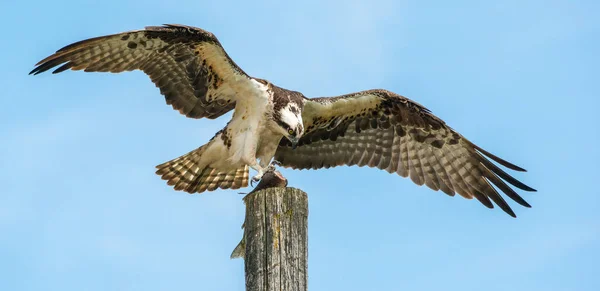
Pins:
x: 375, y: 128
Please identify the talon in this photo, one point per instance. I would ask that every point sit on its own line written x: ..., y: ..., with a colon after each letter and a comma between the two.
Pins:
x: 257, y: 177
x: 276, y: 163
x: 254, y: 180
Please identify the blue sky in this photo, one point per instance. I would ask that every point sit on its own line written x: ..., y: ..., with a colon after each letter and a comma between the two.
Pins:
x: 81, y: 207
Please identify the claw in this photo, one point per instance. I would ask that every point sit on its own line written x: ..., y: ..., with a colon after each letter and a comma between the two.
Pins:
x: 272, y: 165
x: 257, y: 178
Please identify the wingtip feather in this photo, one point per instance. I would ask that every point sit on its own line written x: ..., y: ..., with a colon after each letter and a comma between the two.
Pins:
x: 499, y: 160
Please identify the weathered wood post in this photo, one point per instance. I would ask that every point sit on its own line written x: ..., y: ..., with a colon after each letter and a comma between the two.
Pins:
x: 275, y: 242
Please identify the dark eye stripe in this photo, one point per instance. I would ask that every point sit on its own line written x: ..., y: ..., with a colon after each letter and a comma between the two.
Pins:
x: 287, y: 127
x: 282, y: 124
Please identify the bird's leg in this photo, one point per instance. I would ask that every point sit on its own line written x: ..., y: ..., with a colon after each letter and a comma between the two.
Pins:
x: 261, y: 171
x: 271, y: 166
x: 262, y: 168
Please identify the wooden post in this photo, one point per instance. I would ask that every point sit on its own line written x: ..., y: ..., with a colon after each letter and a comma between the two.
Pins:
x: 275, y: 243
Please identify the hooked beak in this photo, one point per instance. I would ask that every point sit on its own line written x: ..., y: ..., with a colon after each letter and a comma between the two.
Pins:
x: 294, y: 141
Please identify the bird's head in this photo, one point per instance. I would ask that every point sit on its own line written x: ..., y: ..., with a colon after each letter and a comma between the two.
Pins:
x: 289, y: 122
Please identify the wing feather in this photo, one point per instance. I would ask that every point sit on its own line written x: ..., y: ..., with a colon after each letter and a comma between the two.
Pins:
x: 431, y: 180
x: 440, y: 172
x: 403, y: 166
x: 187, y: 64
x: 414, y: 169
x: 381, y: 129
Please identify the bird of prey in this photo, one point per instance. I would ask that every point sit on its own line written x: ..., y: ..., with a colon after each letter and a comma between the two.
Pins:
x: 375, y: 128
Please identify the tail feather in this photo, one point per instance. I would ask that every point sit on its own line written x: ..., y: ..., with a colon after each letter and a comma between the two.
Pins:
x: 185, y: 173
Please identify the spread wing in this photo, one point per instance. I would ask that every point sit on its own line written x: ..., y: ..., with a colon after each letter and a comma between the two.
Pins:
x: 378, y: 128
x: 188, y: 64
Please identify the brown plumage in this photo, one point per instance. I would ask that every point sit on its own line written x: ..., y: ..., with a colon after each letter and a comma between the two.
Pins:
x: 185, y: 173
x: 381, y: 129
x: 187, y: 64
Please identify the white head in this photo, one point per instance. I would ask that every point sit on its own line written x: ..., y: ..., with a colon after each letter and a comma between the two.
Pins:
x: 289, y: 122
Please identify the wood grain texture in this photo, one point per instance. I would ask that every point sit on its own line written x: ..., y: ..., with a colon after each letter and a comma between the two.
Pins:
x: 276, y: 241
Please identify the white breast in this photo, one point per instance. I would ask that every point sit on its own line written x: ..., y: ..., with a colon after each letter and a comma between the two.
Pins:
x: 248, y: 123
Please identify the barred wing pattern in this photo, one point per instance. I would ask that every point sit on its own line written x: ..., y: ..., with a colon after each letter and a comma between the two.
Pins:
x: 188, y: 64
x: 378, y: 128
x: 185, y: 173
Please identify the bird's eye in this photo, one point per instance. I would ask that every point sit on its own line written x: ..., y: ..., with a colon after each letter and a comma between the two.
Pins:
x: 290, y: 131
